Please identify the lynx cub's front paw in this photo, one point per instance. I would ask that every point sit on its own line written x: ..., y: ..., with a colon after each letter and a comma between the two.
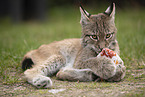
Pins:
x: 42, y: 82
x: 114, y: 57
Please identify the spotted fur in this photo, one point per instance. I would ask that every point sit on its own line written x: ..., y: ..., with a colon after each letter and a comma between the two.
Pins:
x: 76, y: 59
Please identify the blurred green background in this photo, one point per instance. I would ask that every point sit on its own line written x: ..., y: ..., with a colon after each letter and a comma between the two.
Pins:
x: 27, y: 24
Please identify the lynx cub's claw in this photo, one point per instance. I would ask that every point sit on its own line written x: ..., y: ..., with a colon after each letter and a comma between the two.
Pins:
x: 42, y: 82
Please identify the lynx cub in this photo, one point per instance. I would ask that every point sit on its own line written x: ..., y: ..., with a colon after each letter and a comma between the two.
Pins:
x: 76, y: 59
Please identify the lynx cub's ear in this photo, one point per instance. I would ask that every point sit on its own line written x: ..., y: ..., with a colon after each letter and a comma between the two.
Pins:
x: 111, y: 10
x: 84, y: 15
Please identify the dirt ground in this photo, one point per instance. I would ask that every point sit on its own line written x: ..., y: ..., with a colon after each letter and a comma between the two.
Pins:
x: 76, y: 89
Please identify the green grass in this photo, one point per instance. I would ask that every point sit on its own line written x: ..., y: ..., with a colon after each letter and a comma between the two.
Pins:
x: 17, y: 39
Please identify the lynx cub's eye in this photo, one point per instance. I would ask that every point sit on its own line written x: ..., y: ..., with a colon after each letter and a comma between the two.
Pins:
x: 108, y: 36
x: 94, y: 37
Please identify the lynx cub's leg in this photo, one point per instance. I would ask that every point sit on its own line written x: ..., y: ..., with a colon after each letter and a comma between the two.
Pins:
x: 38, y: 75
x: 35, y: 77
x: 106, y: 69
x: 72, y: 74
x: 110, y: 71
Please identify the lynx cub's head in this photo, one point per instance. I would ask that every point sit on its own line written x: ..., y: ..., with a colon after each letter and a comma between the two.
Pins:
x: 98, y: 31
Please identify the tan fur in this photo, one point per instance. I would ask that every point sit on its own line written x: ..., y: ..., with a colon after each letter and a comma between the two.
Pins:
x: 76, y: 59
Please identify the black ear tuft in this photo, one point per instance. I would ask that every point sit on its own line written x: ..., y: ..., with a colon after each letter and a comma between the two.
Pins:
x: 84, y: 11
x: 110, y: 10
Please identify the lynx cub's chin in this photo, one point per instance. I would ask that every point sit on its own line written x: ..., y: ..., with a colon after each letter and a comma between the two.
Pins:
x: 75, y: 59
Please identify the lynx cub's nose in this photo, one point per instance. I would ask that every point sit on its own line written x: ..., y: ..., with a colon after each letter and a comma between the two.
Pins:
x: 112, y: 55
